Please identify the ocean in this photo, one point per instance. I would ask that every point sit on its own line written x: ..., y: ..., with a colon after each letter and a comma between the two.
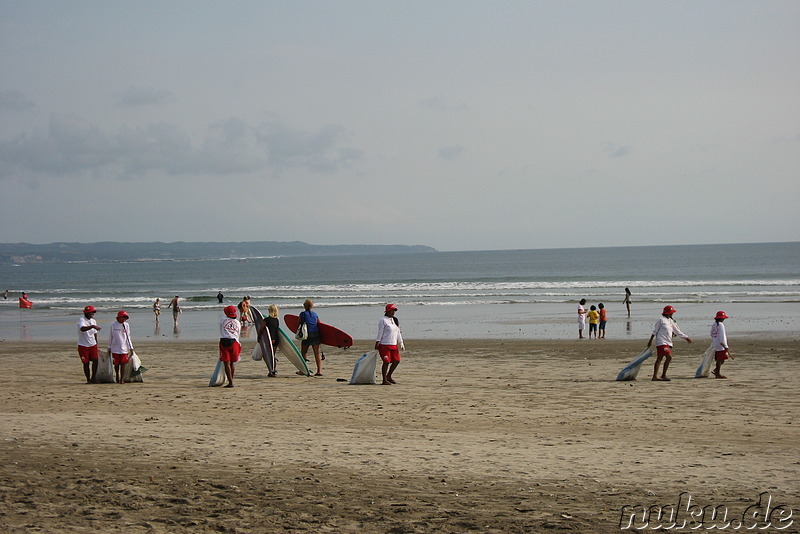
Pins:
x: 515, y: 294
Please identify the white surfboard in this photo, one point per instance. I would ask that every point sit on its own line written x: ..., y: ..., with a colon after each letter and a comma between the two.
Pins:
x: 705, y: 362
x: 263, y: 350
x: 364, y: 370
x: 289, y: 349
x: 632, y: 369
x: 218, y: 377
x: 105, y: 369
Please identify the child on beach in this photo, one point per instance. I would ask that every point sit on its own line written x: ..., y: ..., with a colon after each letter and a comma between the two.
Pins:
x: 603, y: 320
x: 594, y: 319
x: 720, y: 340
x: 229, y: 347
x: 120, y: 345
x: 663, y: 332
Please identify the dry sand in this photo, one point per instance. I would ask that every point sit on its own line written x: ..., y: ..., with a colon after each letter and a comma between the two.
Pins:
x: 477, y: 437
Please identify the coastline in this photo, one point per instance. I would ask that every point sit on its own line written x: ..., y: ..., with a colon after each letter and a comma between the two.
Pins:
x: 479, y: 436
x: 540, y: 321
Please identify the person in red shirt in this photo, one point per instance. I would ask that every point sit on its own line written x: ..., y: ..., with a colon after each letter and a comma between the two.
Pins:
x: 603, y: 319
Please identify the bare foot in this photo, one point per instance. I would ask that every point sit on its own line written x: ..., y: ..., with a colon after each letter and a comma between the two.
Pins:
x: 385, y: 383
x: 229, y: 386
x: 391, y: 381
x: 665, y: 379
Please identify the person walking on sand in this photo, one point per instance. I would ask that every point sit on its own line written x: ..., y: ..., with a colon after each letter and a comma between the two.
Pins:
x: 311, y: 320
x: 663, y: 332
x: 627, y: 301
x: 603, y: 320
x: 157, y: 308
x: 720, y: 340
x: 87, y: 343
x: 120, y: 345
x: 229, y: 347
x: 581, y: 318
x: 176, y: 309
x: 389, y: 343
x: 271, y: 324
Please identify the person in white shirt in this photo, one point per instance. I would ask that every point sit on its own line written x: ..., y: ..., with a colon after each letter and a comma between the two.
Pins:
x: 229, y: 347
x: 389, y: 343
x: 720, y: 340
x: 581, y: 318
x: 120, y: 345
x: 663, y: 331
x: 87, y: 342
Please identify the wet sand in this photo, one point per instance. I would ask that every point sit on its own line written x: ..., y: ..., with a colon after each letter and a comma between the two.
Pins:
x: 478, y: 436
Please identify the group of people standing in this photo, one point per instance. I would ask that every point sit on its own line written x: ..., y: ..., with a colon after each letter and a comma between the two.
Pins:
x: 388, y: 343
x: 666, y: 329
x: 174, y: 304
x: 120, y: 345
x: 597, y: 320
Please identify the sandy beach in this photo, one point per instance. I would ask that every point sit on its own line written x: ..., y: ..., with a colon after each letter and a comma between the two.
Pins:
x: 478, y: 436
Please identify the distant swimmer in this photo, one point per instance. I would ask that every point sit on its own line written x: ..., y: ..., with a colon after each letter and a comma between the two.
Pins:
x: 220, y: 296
x: 627, y: 301
x: 176, y: 309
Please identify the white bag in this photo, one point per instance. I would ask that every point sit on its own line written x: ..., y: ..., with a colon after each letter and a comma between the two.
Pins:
x: 364, y: 370
x: 256, y: 352
x: 302, y: 332
x: 105, y: 369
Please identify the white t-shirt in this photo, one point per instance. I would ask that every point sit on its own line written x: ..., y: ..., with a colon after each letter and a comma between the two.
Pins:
x: 229, y: 328
x: 87, y: 338
x: 718, y: 336
x: 119, y: 338
x: 388, y: 332
x: 664, y: 329
x: 581, y: 315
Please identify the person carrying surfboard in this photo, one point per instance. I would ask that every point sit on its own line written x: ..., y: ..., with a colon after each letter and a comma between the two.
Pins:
x: 720, y: 340
x: 311, y: 320
x: 388, y: 343
x: 663, y: 331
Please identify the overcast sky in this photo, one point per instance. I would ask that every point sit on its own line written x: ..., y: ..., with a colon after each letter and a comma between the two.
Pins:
x: 463, y: 125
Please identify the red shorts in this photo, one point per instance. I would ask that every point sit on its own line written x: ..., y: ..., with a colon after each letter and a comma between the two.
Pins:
x: 721, y: 355
x: 389, y: 353
x: 230, y: 353
x: 663, y: 350
x: 87, y: 354
x: 120, y: 359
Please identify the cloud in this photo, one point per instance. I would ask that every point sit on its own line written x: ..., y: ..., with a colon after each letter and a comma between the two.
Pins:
x: 11, y: 100
x: 617, y: 151
x: 139, y: 96
x: 316, y: 151
x: 70, y: 146
x: 451, y: 152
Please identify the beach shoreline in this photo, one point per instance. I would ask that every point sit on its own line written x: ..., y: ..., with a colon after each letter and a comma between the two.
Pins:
x: 517, y: 322
x: 478, y: 436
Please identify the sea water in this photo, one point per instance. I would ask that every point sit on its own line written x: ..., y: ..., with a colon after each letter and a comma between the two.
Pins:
x: 522, y: 294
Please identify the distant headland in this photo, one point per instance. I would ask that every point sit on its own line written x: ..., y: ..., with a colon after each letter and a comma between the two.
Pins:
x: 21, y: 253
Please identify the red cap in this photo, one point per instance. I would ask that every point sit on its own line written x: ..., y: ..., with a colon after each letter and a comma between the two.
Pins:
x: 391, y: 307
x: 668, y: 310
x: 89, y: 309
x: 122, y: 313
x: 721, y: 315
x: 230, y: 311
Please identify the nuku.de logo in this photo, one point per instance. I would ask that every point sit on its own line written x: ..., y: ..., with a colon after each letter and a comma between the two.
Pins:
x: 684, y: 515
